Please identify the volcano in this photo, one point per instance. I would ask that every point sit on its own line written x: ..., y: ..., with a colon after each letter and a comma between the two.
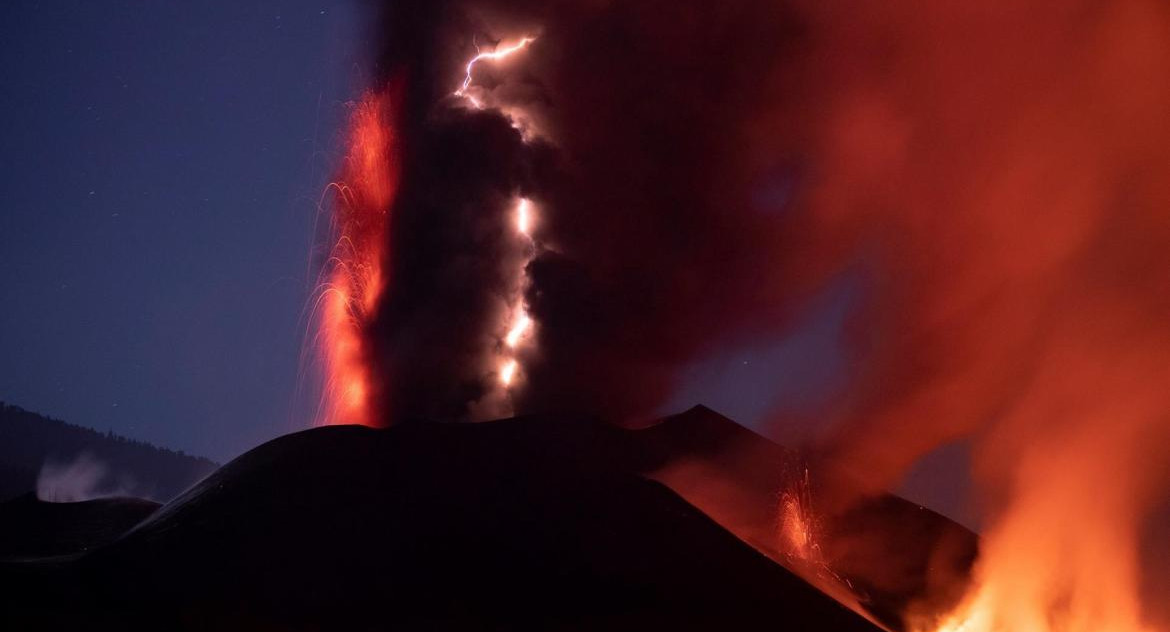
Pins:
x: 554, y: 522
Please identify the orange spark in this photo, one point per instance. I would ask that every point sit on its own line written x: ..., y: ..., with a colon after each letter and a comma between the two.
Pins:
x: 798, y: 528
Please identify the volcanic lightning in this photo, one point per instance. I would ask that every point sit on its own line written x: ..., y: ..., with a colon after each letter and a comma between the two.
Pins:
x: 521, y: 322
x: 517, y: 330
x: 518, y: 324
x: 524, y: 217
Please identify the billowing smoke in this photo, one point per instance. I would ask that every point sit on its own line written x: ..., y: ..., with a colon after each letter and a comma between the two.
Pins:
x: 997, y: 174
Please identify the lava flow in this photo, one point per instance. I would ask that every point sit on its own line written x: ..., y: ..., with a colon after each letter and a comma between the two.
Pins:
x: 355, y: 278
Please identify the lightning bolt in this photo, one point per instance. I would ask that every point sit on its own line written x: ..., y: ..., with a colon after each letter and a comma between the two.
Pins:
x: 495, y: 55
x: 518, y: 324
x: 521, y: 321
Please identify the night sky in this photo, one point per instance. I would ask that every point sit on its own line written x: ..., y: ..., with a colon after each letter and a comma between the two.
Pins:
x: 162, y: 170
x: 159, y: 182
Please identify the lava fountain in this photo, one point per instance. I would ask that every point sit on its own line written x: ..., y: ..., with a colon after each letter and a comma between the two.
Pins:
x: 354, y: 270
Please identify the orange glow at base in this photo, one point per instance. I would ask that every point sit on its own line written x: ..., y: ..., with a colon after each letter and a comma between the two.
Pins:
x: 355, y: 279
x: 1036, y: 574
x: 795, y: 528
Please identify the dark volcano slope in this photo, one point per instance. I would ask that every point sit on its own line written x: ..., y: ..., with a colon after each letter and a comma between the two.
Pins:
x: 520, y: 524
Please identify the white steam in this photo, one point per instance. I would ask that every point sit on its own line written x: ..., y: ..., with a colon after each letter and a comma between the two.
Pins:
x: 83, y: 478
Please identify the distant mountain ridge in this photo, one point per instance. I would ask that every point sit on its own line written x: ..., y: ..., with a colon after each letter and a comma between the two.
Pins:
x: 29, y: 441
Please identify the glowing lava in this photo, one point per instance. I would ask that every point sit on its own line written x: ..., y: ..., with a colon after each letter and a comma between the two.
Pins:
x: 1051, y: 564
x: 355, y: 280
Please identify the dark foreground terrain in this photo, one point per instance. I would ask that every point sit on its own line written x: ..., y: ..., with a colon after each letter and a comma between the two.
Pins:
x: 543, y: 524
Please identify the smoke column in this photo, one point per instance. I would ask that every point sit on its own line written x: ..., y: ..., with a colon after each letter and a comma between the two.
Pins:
x: 996, y: 174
